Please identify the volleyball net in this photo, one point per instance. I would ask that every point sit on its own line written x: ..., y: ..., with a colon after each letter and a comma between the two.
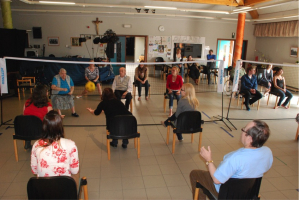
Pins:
x: 45, y: 69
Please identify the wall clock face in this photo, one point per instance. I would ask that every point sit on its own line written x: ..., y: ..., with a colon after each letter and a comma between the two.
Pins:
x: 161, y: 28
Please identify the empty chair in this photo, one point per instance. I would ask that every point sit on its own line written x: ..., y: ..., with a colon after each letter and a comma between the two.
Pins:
x: 26, y: 128
x: 26, y: 82
x: 159, y: 67
x: 188, y: 122
x: 123, y: 127
x: 56, y: 187
x: 247, y: 188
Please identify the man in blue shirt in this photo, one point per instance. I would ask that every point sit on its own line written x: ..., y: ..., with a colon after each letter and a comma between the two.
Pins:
x: 249, y: 87
x: 251, y: 161
x: 210, y: 56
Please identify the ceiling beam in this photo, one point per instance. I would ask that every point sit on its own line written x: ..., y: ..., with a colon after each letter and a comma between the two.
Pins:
x: 253, y: 2
x: 254, y: 14
x: 241, y: 2
x: 216, y: 2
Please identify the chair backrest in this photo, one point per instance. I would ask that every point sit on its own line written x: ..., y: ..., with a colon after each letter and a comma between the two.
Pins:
x: 57, y: 187
x: 259, y: 74
x: 188, y: 122
x: 247, y: 188
x: 27, y: 127
x: 159, y: 59
x: 123, y: 127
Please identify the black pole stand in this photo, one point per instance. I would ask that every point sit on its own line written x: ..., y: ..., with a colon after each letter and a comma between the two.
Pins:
x: 221, y: 118
x: 1, y: 112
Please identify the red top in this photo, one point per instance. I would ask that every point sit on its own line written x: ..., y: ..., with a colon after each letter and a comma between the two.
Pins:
x: 35, y: 111
x: 176, y: 85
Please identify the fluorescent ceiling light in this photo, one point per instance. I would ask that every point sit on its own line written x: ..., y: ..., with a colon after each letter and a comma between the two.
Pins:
x: 159, y: 7
x: 264, y: 19
x: 273, y: 5
x: 57, y: 2
x: 243, y: 8
x: 291, y: 16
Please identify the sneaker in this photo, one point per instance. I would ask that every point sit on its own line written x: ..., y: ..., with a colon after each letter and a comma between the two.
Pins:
x: 75, y: 115
x: 27, y: 145
x: 124, y: 146
x: 248, y: 109
x: 181, y: 140
x: 113, y: 145
x: 78, y: 97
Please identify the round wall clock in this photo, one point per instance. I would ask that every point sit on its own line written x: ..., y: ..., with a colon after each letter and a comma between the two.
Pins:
x: 161, y: 28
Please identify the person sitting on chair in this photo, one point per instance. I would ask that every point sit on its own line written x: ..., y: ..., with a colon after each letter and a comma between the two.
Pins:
x: 62, y: 90
x: 210, y: 56
x: 92, y: 74
x: 111, y: 107
x: 251, y: 161
x: 178, y: 57
x: 249, y: 87
x: 141, y: 74
x: 174, y: 84
x: 122, y: 87
x: 188, y: 102
x: 193, y: 70
x: 53, y: 155
x: 37, y: 105
x: 267, y: 78
x: 280, y: 90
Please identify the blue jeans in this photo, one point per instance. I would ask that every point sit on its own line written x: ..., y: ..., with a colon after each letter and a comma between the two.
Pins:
x: 171, y: 96
x: 282, y: 96
x: 182, y: 70
x: 173, y: 119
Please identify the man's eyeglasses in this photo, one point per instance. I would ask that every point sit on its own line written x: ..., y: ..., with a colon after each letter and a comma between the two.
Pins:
x: 243, y: 130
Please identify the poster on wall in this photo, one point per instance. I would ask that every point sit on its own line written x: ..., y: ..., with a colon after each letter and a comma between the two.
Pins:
x: 161, y: 49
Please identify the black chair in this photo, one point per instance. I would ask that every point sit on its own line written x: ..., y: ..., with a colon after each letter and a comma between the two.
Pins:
x: 56, y: 187
x: 26, y: 128
x: 247, y: 188
x: 123, y: 127
x: 188, y: 122
x: 159, y: 67
x: 243, y: 99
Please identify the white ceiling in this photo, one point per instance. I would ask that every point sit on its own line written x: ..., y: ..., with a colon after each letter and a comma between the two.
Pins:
x: 283, y: 12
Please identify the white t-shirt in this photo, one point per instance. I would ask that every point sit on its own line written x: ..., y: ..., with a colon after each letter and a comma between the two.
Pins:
x: 58, y: 159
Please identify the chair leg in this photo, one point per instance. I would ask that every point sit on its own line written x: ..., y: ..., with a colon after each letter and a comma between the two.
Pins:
x: 268, y: 99
x: 164, y: 105
x: 238, y: 100
x: 173, y: 143
x: 108, y: 146
x: 242, y: 102
x: 19, y: 94
x: 192, y: 137
x: 149, y: 91
x: 135, y: 145
x: 138, y: 147
x: 258, y: 104
x: 296, y: 137
x: 85, y: 190
x: 196, y: 193
x: 167, y: 137
x: 134, y: 91
x: 24, y: 144
x: 276, y: 101
x: 131, y: 106
x: 199, y: 143
x: 16, y: 150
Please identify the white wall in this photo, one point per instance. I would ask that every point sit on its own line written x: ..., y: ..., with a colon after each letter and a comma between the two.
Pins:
x: 277, y: 49
x: 139, y: 47
x: 67, y: 25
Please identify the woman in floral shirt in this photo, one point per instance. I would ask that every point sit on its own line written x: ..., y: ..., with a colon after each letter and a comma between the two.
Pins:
x: 53, y: 155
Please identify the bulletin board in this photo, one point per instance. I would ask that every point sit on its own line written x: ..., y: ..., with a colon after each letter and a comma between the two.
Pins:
x: 159, y: 46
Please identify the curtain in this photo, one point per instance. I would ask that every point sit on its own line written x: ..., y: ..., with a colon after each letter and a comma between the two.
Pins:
x: 277, y: 29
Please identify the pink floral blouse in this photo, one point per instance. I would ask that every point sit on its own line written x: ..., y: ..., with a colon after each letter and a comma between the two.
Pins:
x: 59, y: 159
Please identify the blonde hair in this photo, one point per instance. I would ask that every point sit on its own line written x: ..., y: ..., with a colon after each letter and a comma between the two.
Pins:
x: 176, y: 69
x: 190, y: 95
x: 269, y: 66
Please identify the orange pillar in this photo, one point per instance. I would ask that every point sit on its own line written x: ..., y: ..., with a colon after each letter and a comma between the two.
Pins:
x: 239, y: 37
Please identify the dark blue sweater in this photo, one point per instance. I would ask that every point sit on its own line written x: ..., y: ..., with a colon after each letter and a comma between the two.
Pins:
x: 247, y: 83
